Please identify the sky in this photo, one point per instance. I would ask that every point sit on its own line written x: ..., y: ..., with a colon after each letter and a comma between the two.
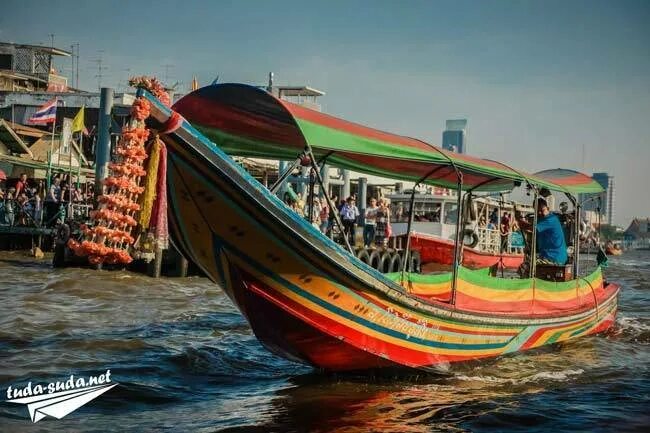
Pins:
x: 543, y: 84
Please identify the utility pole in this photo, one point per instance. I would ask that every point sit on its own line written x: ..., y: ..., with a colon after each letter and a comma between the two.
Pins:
x: 167, y: 66
x: 77, y: 75
x: 100, y: 68
x: 72, y: 65
x: 124, y: 84
x: 52, y: 39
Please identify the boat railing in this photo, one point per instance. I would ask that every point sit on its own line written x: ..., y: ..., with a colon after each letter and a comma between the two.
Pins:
x: 489, y: 241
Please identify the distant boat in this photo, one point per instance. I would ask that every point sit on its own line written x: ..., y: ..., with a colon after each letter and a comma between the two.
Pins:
x: 613, y: 249
x: 434, y: 229
x: 308, y: 299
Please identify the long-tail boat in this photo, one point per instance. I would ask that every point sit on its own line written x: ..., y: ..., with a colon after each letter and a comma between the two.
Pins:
x: 309, y: 299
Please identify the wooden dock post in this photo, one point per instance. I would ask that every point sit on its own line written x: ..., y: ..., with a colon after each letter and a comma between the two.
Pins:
x: 155, y: 265
x: 182, y: 266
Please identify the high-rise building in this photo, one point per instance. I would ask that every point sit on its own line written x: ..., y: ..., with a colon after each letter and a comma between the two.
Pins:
x: 605, y: 200
x: 454, y: 137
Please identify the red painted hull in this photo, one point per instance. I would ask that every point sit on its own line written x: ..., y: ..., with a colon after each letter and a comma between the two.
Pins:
x: 440, y: 251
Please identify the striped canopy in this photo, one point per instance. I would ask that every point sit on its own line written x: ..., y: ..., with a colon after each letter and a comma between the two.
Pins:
x: 247, y: 121
x: 573, y: 181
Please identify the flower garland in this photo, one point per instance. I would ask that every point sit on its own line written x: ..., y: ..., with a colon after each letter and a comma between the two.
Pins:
x: 109, y: 238
x: 153, y: 85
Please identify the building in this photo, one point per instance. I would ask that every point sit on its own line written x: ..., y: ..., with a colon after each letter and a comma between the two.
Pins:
x: 454, y: 137
x: 24, y: 149
x: 604, y: 201
x: 637, y: 234
x: 30, y: 68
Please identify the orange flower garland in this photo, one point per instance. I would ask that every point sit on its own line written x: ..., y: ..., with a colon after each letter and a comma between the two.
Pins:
x: 109, y: 238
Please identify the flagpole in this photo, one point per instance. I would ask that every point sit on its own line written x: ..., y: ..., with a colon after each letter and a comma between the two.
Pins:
x: 58, y: 155
x: 81, y: 149
x: 49, y: 157
x: 70, y: 148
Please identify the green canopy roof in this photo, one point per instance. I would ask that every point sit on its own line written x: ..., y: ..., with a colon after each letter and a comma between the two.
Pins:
x: 247, y: 121
x: 573, y: 181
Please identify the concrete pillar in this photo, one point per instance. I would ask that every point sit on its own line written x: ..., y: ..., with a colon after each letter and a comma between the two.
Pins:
x: 324, y: 174
x: 346, y: 185
x: 103, y: 148
x: 302, y: 186
x: 282, y: 166
x: 363, y: 198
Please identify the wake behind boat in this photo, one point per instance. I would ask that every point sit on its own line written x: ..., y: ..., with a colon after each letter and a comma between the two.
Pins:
x: 308, y: 299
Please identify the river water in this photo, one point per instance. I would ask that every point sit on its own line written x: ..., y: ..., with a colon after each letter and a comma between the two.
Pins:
x: 186, y: 360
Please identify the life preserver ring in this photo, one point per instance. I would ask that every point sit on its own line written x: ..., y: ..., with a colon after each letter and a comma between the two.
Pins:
x: 470, y: 233
x: 62, y: 234
x: 363, y: 255
x: 583, y: 228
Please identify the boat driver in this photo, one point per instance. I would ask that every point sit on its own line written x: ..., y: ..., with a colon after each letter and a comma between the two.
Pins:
x: 551, y: 245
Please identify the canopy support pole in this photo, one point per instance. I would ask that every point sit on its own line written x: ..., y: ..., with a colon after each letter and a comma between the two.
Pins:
x: 576, y: 235
x: 312, y: 179
x: 458, y: 248
x: 333, y: 208
x: 410, y: 222
x: 408, y: 235
x: 533, y: 246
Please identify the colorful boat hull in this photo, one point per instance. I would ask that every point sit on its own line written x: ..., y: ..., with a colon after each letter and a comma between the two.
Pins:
x: 310, y: 301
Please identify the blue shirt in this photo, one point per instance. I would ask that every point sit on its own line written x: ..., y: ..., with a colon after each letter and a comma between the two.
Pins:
x: 349, y: 212
x: 550, y: 239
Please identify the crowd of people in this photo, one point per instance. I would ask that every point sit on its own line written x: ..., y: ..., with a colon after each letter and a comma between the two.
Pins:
x: 375, y: 221
x: 29, y: 202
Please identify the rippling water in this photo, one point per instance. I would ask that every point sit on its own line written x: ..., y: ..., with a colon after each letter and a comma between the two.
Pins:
x: 185, y: 360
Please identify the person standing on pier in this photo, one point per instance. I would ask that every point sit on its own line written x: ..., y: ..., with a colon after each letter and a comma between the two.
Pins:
x: 52, y: 199
x: 21, y: 185
x: 324, y: 215
x: 370, y: 223
x: 382, y: 219
x: 349, y: 215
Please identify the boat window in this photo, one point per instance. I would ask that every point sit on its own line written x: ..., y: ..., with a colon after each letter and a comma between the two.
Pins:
x: 423, y: 211
x: 451, y: 213
x: 427, y: 212
x: 399, y: 212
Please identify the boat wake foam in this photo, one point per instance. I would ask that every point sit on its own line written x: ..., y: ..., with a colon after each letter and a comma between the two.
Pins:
x: 632, y: 329
x: 542, y: 376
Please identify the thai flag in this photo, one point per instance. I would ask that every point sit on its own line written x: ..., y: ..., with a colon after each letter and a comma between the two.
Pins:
x: 45, y: 114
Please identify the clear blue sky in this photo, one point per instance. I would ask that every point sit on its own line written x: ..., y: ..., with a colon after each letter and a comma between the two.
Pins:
x: 537, y: 80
